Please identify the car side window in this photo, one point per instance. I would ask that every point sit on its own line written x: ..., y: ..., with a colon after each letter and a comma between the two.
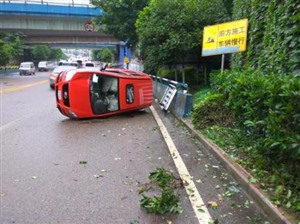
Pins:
x: 129, y: 93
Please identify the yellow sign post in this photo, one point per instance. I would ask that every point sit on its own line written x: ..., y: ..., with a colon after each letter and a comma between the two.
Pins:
x: 225, y: 38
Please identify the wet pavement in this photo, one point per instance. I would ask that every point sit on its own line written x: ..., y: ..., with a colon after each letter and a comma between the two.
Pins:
x: 57, y: 170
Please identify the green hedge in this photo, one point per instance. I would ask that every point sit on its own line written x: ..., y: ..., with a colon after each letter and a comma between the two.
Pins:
x: 267, y: 107
x: 273, y: 38
x: 211, y: 112
x: 261, y: 94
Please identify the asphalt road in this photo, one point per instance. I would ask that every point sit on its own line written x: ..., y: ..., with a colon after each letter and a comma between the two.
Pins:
x: 57, y: 170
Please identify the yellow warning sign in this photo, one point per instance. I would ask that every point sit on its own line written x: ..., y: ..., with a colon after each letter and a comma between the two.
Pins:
x: 225, y: 38
x: 126, y: 60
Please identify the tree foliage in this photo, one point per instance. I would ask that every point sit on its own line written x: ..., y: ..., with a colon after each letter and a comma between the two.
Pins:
x: 46, y: 53
x: 11, y: 47
x: 106, y: 55
x: 119, y: 17
x: 5, y: 52
x: 55, y: 54
x: 167, y: 38
x: 273, y: 37
x: 41, y: 52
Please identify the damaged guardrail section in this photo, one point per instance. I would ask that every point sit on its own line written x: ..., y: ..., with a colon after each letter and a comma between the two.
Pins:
x: 181, y: 105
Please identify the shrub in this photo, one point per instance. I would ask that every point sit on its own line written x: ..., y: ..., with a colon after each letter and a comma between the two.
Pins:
x: 211, y: 111
x: 191, y: 75
x: 267, y: 108
x: 166, y: 73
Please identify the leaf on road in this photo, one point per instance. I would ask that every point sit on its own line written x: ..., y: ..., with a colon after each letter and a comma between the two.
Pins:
x: 233, y: 189
x: 213, y: 205
x: 33, y: 177
x: 201, y: 210
x: 82, y: 162
x: 252, y: 180
x: 191, y: 190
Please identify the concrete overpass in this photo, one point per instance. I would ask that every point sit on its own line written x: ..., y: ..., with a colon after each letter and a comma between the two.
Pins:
x: 45, y: 22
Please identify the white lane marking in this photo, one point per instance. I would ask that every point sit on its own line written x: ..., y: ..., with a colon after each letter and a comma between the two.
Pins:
x: 12, y: 123
x: 198, y: 205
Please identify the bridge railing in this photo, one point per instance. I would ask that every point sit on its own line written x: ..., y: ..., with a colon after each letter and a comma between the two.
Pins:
x: 80, y: 3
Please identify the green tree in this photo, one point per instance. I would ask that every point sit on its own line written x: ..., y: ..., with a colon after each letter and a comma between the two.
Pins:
x: 12, y: 47
x: 119, y: 17
x: 17, y: 52
x: 41, y: 52
x: 55, y: 54
x: 96, y: 54
x: 106, y: 55
x: 5, y: 52
x: 167, y: 39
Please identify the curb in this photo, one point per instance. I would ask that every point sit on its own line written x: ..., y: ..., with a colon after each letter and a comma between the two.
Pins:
x: 240, y: 174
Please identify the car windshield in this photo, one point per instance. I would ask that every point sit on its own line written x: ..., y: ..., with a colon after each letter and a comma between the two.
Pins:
x: 25, y: 66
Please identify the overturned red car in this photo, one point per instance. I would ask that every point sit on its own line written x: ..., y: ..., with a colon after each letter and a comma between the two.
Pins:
x: 91, y: 92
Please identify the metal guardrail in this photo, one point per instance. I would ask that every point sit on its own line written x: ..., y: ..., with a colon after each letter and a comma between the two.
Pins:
x: 181, y: 85
x: 80, y: 3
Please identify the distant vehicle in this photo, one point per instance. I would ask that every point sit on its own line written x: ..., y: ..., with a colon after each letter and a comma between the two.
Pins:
x: 79, y: 63
x: 43, y: 66
x: 27, y: 68
x: 91, y: 92
x: 66, y: 63
x: 89, y: 64
x: 57, y: 70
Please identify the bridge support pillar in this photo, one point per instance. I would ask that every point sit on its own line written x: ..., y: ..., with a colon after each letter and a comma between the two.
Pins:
x: 125, y: 55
